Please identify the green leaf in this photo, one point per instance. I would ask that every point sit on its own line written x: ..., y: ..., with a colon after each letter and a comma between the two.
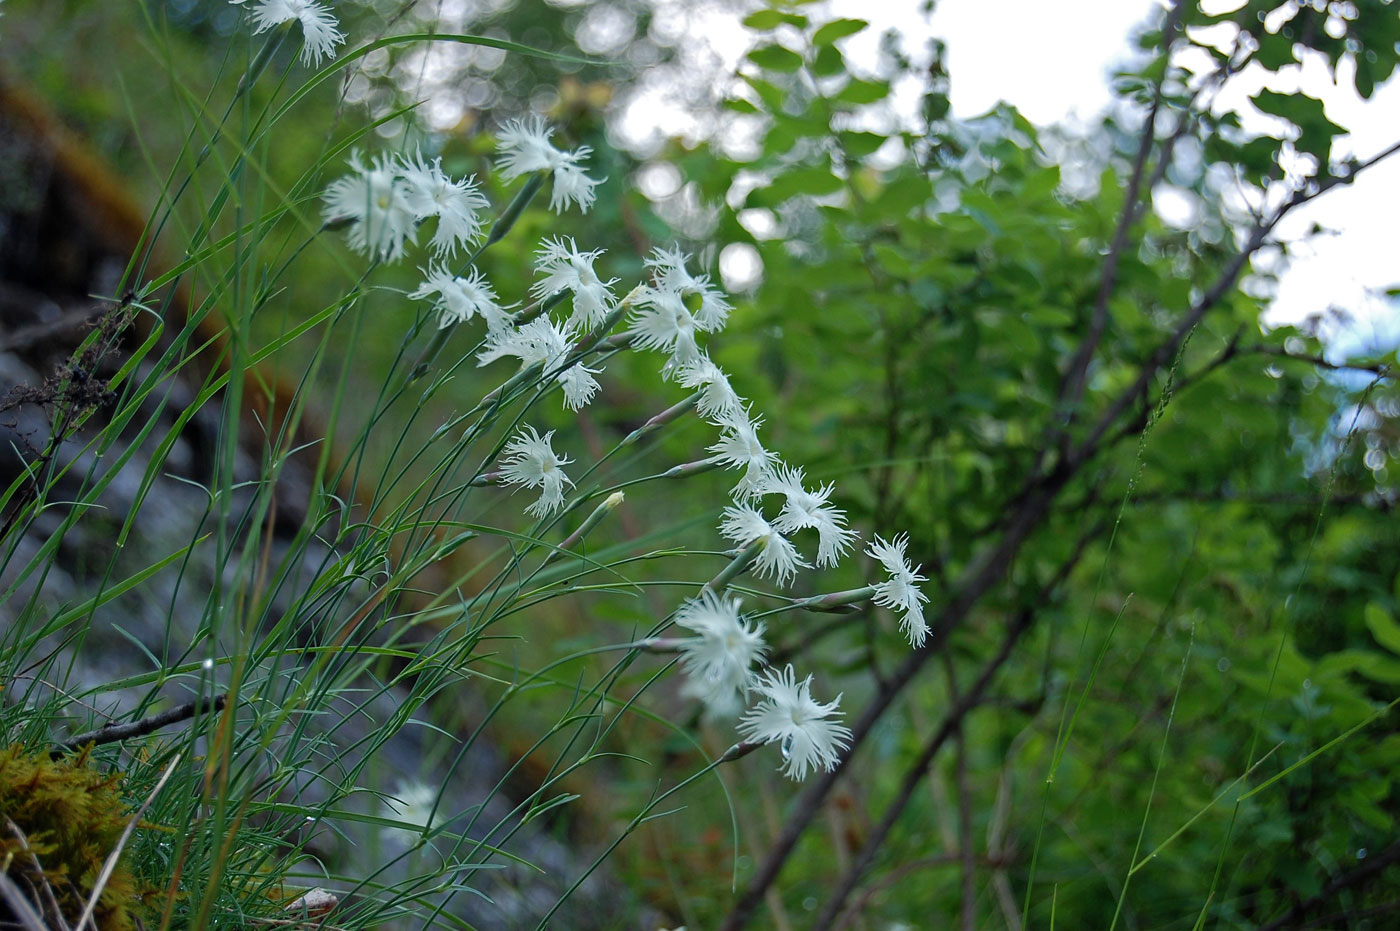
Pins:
x: 838, y: 29
x: 860, y: 144
x: 1383, y: 627
x: 775, y: 58
x: 828, y: 61
x: 1308, y: 114
x: 813, y: 181
x: 859, y: 91
x: 768, y: 20
x: 1365, y: 78
x: 1275, y: 51
x: 768, y: 92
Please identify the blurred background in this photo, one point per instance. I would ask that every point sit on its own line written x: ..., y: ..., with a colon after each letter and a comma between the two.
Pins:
x: 911, y: 204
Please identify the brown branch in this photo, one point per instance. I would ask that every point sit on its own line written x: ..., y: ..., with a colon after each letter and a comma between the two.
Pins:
x: 1213, y: 295
x: 1076, y: 376
x: 1381, y: 370
x: 115, y: 732
x: 1233, y: 350
x: 981, y: 576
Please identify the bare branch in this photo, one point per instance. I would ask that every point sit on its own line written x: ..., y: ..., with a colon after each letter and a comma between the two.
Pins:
x: 1072, y: 388
x: 115, y: 732
x: 965, y: 851
x: 1380, y: 370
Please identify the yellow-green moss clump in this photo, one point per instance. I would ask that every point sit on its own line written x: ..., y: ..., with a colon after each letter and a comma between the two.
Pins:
x: 71, y: 816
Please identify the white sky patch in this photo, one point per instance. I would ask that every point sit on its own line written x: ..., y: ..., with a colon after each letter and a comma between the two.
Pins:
x: 1049, y: 60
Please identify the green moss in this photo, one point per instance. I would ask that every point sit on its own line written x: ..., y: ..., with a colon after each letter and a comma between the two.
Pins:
x: 71, y: 817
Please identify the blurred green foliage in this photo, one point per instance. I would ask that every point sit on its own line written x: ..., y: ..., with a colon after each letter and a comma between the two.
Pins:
x: 1225, y: 644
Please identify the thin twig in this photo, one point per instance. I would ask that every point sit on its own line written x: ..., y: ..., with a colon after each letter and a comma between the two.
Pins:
x: 1379, y: 369
x: 897, y: 874
x: 1217, y: 291
x: 115, y: 732
x: 965, y: 852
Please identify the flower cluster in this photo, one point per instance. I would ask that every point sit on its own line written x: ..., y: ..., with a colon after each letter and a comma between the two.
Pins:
x: 541, y: 341
x: 680, y: 306
x: 671, y: 313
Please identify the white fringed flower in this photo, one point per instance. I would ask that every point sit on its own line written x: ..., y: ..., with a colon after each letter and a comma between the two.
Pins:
x: 375, y: 200
x: 567, y: 269
x: 718, y: 401
x: 804, y: 509
x: 460, y: 299
x: 671, y: 275
x: 525, y: 147
x: 432, y: 193
x: 801, y: 725
x: 541, y: 341
x: 529, y: 460
x: 411, y: 806
x: 743, y: 525
x: 319, y: 27
x: 739, y: 447
x: 664, y: 323
x: 717, y: 661
x: 901, y: 589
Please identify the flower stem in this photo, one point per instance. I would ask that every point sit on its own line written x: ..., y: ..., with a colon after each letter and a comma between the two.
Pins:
x: 513, y: 211
x: 836, y: 602
x: 660, y: 420
x: 736, y: 566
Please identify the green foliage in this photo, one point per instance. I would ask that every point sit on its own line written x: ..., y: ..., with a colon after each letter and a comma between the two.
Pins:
x: 1205, y: 694
x: 1159, y: 538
